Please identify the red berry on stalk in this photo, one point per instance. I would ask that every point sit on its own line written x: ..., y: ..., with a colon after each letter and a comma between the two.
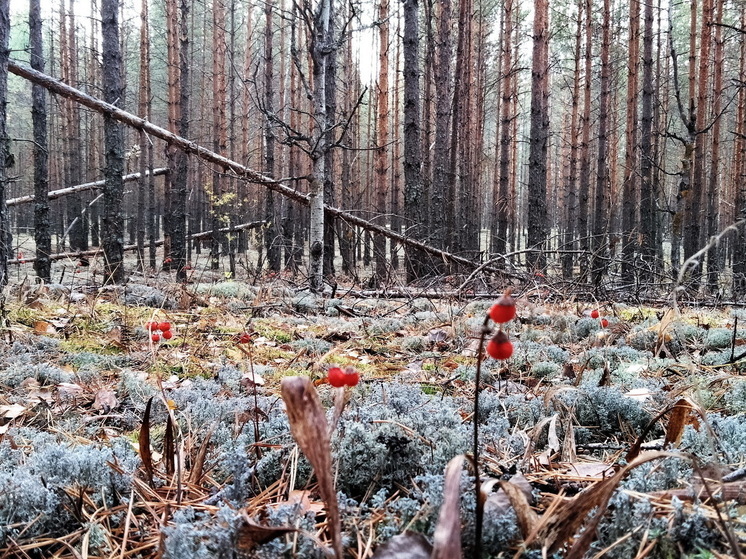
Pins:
x: 595, y: 313
x: 352, y: 377
x: 500, y: 347
x: 504, y: 310
x: 604, y: 323
x: 336, y: 377
x: 156, y: 338
x: 163, y: 326
x: 167, y: 334
x: 244, y: 338
x: 150, y: 326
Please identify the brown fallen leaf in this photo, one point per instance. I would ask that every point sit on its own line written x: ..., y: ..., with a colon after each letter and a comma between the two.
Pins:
x: 310, y: 430
x: 144, y: 442
x: 250, y: 534
x: 409, y: 545
x: 447, y: 537
x: 42, y: 327
x: 105, y: 401
x: 683, y: 414
x: 12, y: 411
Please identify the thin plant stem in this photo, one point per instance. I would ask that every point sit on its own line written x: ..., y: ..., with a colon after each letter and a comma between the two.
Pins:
x: 475, y: 449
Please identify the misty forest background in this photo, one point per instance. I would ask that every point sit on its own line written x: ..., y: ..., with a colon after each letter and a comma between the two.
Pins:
x: 598, y: 141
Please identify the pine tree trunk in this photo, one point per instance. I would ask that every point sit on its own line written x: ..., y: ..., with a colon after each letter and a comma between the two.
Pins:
x: 413, y: 188
x: 143, y: 109
x: 271, y: 235
x: 382, y: 139
x: 538, y: 139
x: 219, y: 128
x: 112, y: 234
x: 739, y: 244
x: 713, y: 188
x: 502, y: 203
x: 42, y: 227
x: 630, y: 204
x: 441, y: 150
x: 5, y: 236
x: 648, y: 195
x: 584, y: 184
x: 600, y: 211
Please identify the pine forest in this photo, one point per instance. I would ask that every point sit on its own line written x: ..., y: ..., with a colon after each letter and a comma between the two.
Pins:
x: 372, y: 279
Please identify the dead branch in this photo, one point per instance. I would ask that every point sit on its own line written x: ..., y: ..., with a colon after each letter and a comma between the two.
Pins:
x: 240, y: 171
x: 54, y: 194
x: 204, y: 235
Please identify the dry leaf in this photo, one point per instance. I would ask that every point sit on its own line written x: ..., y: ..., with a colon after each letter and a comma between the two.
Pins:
x: 309, y: 428
x: 447, y: 537
x: 409, y: 545
x: 144, y: 447
x: 106, y: 400
x: 42, y: 327
x: 69, y: 389
x: 682, y: 414
x: 527, y: 517
x: 12, y: 411
x: 250, y: 534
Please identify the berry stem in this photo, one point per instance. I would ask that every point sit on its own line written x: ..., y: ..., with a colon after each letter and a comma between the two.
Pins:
x: 475, y: 450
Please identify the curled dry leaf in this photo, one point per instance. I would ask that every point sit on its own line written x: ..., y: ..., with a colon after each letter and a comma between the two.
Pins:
x: 309, y: 428
x: 409, y: 545
x: 12, y: 411
x: 447, y: 537
x: 684, y: 413
x: 105, y: 401
x: 250, y: 534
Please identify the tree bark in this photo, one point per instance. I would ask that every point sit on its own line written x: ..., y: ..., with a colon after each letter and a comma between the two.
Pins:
x: 601, y: 211
x: 271, y: 233
x: 5, y: 158
x: 113, y: 221
x: 382, y: 139
x: 538, y: 139
x: 648, y: 194
x: 413, y: 187
x: 219, y: 129
x: 630, y: 218
x: 319, y: 50
x: 42, y: 227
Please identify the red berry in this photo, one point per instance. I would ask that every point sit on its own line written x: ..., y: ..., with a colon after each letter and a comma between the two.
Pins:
x: 500, y: 347
x: 155, y: 338
x: 167, y: 334
x: 604, y: 323
x: 150, y: 326
x: 595, y: 313
x: 337, y: 377
x: 504, y: 310
x: 164, y: 326
x: 244, y: 338
x: 352, y: 377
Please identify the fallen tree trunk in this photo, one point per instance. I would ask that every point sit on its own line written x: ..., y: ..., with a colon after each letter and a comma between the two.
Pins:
x: 237, y: 169
x: 54, y: 194
x: 93, y: 252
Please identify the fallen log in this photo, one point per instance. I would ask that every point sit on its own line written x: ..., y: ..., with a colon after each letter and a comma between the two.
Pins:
x: 93, y: 252
x: 240, y: 171
x: 54, y: 194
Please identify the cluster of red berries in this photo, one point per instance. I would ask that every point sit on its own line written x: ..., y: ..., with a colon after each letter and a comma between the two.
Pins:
x: 347, y: 377
x: 163, y: 327
x: 500, y: 346
x: 596, y: 314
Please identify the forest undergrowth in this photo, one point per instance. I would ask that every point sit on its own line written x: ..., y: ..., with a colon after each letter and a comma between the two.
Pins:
x: 613, y: 430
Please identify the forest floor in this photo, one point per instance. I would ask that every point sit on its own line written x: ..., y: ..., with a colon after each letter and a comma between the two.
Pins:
x: 617, y: 436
